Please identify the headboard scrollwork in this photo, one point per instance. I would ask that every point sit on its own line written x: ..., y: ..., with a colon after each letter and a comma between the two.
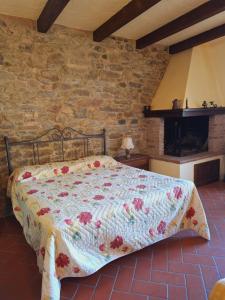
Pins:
x: 53, y: 135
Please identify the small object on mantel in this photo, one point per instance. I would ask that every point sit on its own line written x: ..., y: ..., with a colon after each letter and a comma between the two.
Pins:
x: 186, y: 106
x: 147, y: 111
x: 213, y: 105
x: 127, y: 145
x: 204, y: 104
x: 176, y: 104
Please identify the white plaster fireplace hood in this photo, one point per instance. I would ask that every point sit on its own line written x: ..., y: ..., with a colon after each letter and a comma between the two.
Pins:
x: 197, y: 74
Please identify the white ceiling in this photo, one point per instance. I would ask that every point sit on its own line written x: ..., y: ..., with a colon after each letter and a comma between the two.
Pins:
x: 90, y: 14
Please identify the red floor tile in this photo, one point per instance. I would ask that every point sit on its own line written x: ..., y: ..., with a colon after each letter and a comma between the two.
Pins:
x: 184, y: 267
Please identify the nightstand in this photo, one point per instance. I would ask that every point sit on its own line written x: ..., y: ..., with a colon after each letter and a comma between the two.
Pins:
x: 140, y: 161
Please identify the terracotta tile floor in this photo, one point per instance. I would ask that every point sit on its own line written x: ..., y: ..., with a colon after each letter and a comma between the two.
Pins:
x: 182, y: 267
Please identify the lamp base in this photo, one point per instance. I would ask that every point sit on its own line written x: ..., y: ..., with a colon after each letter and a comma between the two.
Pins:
x: 127, y: 154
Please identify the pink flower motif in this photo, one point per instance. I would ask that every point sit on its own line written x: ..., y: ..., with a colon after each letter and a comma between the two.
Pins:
x: 68, y: 221
x: 107, y: 184
x: 168, y: 195
x: 117, y: 242
x: 98, y: 224
x: 102, y: 247
x: 97, y: 164
x: 27, y: 175
x: 138, y: 203
x: 65, y: 170
x: 85, y: 217
x: 50, y: 181
x: 147, y: 210
x: 55, y: 171
x: 161, y: 227
x: 98, y: 197
x: 141, y: 186
x: 17, y: 208
x: 89, y: 173
x: 43, y: 211
x: 77, y: 182
x: 126, y: 206
x: 76, y: 270
x: 151, y: 232
x: 190, y: 213
x: 63, y: 194
x: 177, y: 192
x: 30, y: 192
x: 142, y: 176
x: 42, y: 252
x: 195, y: 222
x: 62, y: 260
x: 50, y: 198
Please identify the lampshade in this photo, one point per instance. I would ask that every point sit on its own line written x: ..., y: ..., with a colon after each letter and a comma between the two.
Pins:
x: 127, y: 143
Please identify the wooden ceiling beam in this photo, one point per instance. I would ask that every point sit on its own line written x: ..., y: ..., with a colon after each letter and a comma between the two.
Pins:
x: 199, y: 39
x: 200, y: 13
x: 51, y: 11
x: 129, y: 12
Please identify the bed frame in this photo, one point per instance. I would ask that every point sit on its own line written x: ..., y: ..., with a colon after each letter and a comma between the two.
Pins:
x: 53, y: 135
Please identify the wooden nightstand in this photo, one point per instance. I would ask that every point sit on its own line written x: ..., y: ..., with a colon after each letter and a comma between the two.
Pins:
x: 139, y: 161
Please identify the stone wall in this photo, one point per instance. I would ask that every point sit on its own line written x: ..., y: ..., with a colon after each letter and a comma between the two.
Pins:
x: 216, y: 142
x: 63, y: 78
x: 155, y: 136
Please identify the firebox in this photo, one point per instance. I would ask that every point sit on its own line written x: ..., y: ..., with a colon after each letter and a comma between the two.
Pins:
x: 186, y: 135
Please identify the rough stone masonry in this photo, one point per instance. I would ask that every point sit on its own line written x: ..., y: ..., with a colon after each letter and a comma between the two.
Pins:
x: 63, y: 78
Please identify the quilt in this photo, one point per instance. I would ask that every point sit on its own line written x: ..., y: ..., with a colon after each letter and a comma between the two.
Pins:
x: 80, y: 215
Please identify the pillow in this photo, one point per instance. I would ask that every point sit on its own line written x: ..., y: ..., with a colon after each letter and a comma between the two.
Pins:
x: 49, y: 170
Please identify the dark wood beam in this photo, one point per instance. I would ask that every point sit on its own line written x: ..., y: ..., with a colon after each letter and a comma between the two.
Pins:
x: 51, y: 11
x: 200, y: 13
x: 129, y: 12
x: 199, y: 39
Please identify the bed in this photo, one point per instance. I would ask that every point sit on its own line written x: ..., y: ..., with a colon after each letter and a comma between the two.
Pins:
x: 80, y: 215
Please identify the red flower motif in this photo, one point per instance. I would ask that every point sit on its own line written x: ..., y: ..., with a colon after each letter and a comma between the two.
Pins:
x: 63, y: 194
x: 43, y: 211
x: 126, y: 206
x: 68, y: 221
x: 190, y: 213
x: 107, y: 184
x: 161, y: 227
x: 77, y: 182
x: 195, y: 222
x: 98, y: 224
x: 50, y: 181
x: 141, y: 186
x: 151, y: 232
x: 17, y: 208
x: 97, y: 164
x: 117, y: 242
x: 76, y: 270
x: 27, y: 175
x: 138, y: 203
x: 85, y: 217
x: 177, y: 192
x: 98, y: 197
x: 30, y: 192
x: 65, y: 170
x: 62, y: 260
x: 142, y: 176
x: 42, y: 251
x: 102, y: 247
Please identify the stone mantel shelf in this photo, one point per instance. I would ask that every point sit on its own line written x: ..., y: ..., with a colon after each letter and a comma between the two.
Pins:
x: 190, y: 112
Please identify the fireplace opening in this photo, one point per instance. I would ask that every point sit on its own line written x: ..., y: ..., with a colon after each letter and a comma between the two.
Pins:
x: 186, y: 136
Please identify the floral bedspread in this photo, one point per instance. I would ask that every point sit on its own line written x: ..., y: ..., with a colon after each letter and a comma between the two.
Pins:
x: 80, y: 215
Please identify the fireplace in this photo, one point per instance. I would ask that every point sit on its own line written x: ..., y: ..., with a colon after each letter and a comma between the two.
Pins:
x: 185, y: 135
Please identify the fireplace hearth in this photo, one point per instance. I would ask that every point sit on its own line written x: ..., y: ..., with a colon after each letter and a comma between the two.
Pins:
x: 186, y: 135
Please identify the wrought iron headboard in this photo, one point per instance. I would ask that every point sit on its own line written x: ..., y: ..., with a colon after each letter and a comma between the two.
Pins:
x: 52, y: 136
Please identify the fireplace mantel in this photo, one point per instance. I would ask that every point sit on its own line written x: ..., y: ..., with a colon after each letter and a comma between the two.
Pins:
x: 190, y: 112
